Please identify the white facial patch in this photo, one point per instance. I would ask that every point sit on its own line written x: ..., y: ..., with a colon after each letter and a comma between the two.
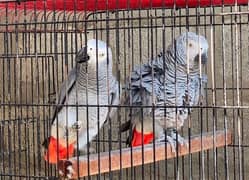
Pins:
x: 97, y: 50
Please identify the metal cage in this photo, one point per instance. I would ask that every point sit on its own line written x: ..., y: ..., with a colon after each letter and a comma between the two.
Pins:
x: 38, y: 51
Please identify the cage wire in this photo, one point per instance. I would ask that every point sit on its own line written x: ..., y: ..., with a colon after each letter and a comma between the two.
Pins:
x: 38, y: 51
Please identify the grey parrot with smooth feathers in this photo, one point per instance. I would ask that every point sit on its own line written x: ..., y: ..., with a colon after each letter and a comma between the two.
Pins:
x: 171, y: 79
x: 90, y: 82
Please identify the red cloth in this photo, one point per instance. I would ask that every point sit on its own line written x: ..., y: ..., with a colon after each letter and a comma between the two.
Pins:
x: 62, y: 151
x: 91, y: 5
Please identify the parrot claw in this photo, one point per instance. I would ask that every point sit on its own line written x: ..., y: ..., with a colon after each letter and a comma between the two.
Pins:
x: 169, y: 140
x: 173, y: 138
x: 177, y: 137
x: 68, y: 171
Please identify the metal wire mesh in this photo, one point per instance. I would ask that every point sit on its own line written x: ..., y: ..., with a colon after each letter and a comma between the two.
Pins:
x: 38, y: 50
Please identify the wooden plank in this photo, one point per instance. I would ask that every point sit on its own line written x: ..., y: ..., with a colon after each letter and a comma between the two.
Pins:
x: 122, y: 158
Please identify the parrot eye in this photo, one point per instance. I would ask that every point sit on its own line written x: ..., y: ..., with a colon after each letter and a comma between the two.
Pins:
x: 76, y: 126
x: 190, y: 44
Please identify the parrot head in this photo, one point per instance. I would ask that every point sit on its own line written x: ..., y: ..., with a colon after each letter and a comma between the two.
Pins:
x: 192, y: 48
x: 95, y: 51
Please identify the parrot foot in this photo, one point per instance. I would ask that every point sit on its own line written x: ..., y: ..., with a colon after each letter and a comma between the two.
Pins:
x: 172, y: 137
x: 68, y: 170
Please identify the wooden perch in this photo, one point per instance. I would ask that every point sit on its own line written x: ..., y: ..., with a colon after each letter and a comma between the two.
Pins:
x: 149, y: 155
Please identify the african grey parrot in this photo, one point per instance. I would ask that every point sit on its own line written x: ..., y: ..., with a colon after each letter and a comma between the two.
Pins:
x: 171, y: 79
x: 90, y: 82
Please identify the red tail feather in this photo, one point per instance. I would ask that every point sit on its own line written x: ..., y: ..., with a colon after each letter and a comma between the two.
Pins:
x: 139, y: 138
x: 55, y: 153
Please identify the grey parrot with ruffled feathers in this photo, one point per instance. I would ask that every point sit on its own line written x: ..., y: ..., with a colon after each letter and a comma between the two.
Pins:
x: 171, y: 79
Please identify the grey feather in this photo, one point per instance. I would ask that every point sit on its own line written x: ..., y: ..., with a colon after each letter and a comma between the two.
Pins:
x: 65, y: 89
x: 69, y: 83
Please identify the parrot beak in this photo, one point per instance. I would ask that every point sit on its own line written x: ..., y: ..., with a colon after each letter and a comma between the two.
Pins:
x: 57, y: 150
x: 82, y: 56
x: 204, y: 58
x: 139, y: 138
